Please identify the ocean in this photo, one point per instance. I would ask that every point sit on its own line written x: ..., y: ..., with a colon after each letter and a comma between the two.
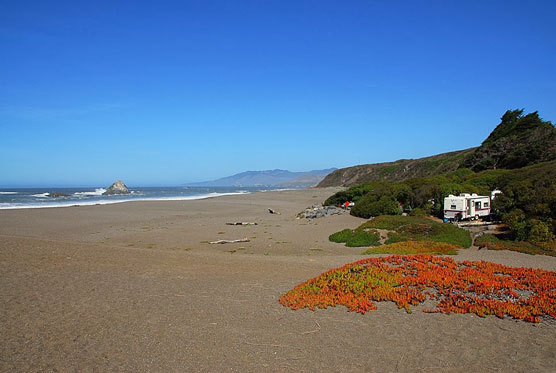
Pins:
x: 17, y: 198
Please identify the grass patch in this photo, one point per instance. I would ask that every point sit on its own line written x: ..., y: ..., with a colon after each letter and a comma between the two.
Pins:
x: 415, y: 247
x: 416, y: 228
x: 221, y: 232
x: 393, y: 222
x: 491, y: 242
x: 356, y: 237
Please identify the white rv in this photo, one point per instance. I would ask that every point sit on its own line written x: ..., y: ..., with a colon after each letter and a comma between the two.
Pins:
x: 466, y: 206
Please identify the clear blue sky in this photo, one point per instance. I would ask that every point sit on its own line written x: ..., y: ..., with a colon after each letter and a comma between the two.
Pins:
x: 163, y: 93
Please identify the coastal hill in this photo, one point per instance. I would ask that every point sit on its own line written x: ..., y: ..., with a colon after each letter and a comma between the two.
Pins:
x: 518, y: 141
x: 269, y: 178
x: 398, y: 170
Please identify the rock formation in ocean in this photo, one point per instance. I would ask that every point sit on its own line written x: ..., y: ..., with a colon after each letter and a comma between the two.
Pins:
x: 117, y: 188
x: 57, y: 194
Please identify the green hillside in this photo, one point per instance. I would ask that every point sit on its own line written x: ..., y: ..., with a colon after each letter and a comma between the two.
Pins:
x: 397, y: 171
x: 519, y: 140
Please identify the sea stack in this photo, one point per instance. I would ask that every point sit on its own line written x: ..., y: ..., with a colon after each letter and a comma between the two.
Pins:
x: 117, y: 188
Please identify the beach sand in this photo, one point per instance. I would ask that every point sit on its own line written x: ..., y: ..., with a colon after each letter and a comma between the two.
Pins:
x: 136, y: 287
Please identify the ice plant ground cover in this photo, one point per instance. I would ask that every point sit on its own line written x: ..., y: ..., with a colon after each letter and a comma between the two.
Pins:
x: 482, y: 288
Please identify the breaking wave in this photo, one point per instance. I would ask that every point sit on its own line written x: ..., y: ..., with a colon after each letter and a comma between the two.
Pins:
x: 97, y: 192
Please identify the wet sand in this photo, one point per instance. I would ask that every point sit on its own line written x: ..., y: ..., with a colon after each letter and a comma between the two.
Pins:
x: 136, y: 287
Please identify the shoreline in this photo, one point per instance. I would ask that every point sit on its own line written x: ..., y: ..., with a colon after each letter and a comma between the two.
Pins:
x: 108, y: 202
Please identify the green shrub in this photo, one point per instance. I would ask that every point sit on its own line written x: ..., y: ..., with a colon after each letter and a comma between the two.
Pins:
x: 370, y: 206
x: 361, y: 238
x: 540, y: 232
x: 356, y: 237
x: 352, y: 194
x: 341, y: 236
x: 418, y: 212
x: 516, y: 221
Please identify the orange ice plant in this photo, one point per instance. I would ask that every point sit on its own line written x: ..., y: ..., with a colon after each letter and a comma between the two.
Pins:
x: 482, y: 288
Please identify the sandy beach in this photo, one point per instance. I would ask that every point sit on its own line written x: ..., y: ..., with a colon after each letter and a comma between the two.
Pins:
x: 137, y: 287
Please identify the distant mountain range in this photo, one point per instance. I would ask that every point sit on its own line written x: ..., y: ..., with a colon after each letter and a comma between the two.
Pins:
x: 269, y: 178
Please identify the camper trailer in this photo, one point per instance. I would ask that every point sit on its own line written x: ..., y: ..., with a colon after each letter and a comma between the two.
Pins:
x: 466, y: 206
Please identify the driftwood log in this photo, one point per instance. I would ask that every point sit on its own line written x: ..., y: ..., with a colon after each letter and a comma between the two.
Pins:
x: 242, y: 223
x: 273, y: 212
x: 229, y: 241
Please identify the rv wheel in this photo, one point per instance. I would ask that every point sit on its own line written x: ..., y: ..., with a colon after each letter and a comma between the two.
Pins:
x: 476, y: 217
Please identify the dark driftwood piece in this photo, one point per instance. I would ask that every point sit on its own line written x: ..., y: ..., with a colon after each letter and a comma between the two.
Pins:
x: 273, y: 211
x: 229, y: 241
x: 242, y: 223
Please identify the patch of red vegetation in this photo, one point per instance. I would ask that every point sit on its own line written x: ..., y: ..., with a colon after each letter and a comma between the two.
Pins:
x: 482, y: 288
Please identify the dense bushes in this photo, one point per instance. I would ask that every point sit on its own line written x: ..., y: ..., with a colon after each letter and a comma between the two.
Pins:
x: 372, y: 205
x: 353, y: 194
x: 527, y: 204
x: 424, y: 193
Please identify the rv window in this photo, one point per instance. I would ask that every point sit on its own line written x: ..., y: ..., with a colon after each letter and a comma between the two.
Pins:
x: 477, y: 205
x: 453, y: 207
x: 486, y: 204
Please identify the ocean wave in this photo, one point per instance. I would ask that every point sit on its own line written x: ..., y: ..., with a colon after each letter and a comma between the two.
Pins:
x: 14, y: 206
x: 96, y: 193
x: 8, y: 192
x: 41, y: 195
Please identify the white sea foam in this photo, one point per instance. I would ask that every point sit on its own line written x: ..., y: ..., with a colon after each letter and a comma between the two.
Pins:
x: 8, y: 192
x: 13, y: 206
x: 40, y: 195
x: 97, y: 192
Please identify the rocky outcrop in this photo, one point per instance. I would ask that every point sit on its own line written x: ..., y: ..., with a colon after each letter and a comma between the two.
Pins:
x: 117, y: 188
x: 57, y: 194
x: 319, y: 211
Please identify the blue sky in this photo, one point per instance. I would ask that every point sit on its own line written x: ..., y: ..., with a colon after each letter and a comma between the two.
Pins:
x: 163, y: 93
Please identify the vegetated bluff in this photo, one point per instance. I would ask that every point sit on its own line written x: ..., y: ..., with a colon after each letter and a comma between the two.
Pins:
x: 397, y: 171
x: 519, y: 140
